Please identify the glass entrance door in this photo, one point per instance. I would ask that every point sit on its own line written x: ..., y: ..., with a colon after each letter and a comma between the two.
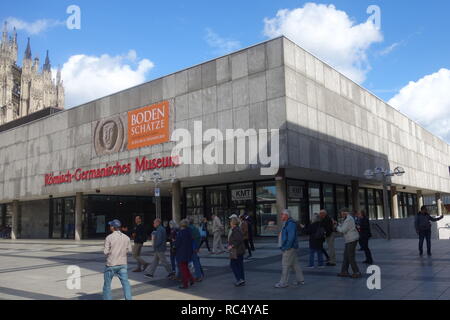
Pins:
x: 62, y: 218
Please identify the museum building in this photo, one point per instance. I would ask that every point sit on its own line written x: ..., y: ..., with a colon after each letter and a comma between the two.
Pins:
x: 67, y: 173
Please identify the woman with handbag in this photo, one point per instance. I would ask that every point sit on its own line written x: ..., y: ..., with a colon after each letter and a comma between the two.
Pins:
x: 204, y: 233
x: 236, y: 247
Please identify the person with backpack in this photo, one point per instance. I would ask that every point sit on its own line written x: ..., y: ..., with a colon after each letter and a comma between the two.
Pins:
x: 204, y: 233
x: 351, y: 237
x: 423, y: 228
x: 140, y: 236
x: 288, y: 243
x: 316, y: 234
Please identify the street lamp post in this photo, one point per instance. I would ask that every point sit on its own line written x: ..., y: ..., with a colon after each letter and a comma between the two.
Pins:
x: 157, y: 179
x: 399, y: 171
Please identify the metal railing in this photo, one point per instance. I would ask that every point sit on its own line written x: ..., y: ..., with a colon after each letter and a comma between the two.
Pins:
x: 379, y: 230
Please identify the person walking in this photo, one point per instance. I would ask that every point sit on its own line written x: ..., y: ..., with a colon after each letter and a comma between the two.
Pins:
x: 245, y: 233
x: 159, y: 248
x: 236, y: 248
x: 217, y: 235
x: 172, y: 238
x: 117, y: 246
x: 288, y: 243
x: 140, y: 236
x: 423, y: 228
x: 351, y: 237
x: 204, y: 233
x: 183, y: 252
x: 249, y: 221
x: 363, y: 227
x: 330, y: 234
x: 316, y: 238
x: 196, y: 239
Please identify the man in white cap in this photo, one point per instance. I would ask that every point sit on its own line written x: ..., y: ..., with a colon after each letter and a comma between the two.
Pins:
x: 288, y: 243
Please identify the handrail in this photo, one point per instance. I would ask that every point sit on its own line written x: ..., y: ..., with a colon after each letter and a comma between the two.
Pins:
x: 380, y: 230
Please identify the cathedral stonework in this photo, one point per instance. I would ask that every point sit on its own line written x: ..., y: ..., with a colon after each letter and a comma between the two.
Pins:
x: 27, y: 89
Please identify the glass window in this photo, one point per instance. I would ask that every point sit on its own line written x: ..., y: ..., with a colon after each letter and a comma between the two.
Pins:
x: 371, y: 204
x: 350, y: 199
x: 241, y: 197
x: 194, y: 197
x: 266, y: 191
x: 379, y: 203
x: 266, y: 209
x: 362, y: 199
x: 267, y: 215
x: 194, y: 204
x: 341, y: 200
x: 297, y: 203
x: 216, y: 202
x: 328, y: 199
x: 314, y: 199
x: 401, y: 205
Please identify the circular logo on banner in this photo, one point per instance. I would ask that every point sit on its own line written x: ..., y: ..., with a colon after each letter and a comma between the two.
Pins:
x: 109, y: 136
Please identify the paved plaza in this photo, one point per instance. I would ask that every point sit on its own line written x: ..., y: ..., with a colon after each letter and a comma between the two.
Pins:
x: 37, y: 269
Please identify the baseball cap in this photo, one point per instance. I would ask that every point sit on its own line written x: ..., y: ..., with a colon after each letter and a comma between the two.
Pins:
x: 115, y: 223
x: 233, y: 216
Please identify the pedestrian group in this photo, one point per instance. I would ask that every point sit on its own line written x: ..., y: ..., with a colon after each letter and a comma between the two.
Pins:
x: 186, y: 239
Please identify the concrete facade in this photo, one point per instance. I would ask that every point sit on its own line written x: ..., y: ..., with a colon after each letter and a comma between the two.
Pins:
x: 330, y: 128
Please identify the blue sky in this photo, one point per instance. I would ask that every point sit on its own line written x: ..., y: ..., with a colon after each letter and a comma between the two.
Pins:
x: 171, y: 35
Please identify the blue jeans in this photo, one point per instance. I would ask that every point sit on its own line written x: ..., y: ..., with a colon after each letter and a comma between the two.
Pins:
x: 122, y: 273
x: 312, y: 253
x: 197, y: 266
x: 237, y: 265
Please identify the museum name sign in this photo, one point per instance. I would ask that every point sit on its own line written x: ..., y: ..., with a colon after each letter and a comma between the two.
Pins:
x: 119, y: 169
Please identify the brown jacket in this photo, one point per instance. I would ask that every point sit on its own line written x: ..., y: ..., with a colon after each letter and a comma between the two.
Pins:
x: 236, y: 240
x: 244, y: 229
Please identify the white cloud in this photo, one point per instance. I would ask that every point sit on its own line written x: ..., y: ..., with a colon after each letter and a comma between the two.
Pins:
x: 221, y: 45
x: 35, y: 27
x: 389, y: 49
x: 427, y: 101
x: 328, y: 33
x: 87, y: 78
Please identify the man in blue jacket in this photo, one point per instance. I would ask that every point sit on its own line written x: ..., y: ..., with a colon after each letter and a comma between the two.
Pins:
x: 288, y: 243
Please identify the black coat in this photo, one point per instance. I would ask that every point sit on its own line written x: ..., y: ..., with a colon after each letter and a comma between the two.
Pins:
x: 311, y: 231
x: 364, y: 227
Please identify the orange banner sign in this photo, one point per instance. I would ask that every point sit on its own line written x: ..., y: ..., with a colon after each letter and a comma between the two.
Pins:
x: 148, y: 126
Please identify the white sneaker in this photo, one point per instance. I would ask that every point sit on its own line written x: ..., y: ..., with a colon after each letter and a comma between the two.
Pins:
x: 280, y: 285
x: 298, y: 283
